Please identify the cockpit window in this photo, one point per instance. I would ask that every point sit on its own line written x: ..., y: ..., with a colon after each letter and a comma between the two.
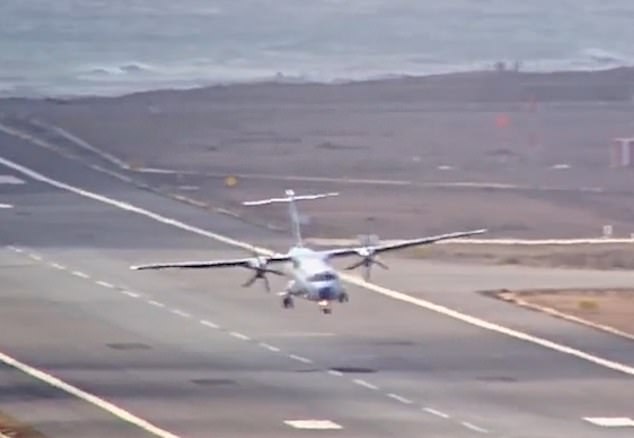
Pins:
x: 323, y: 276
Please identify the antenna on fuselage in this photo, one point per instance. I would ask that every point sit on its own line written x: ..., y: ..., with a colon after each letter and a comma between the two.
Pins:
x: 290, y: 198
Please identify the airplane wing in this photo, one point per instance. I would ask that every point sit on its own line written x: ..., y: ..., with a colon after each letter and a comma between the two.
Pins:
x: 250, y: 262
x: 377, y: 249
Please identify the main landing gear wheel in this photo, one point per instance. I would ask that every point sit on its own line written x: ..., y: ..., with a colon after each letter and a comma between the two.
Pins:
x: 326, y: 310
x: 344, y: 298
x: 287, y: 302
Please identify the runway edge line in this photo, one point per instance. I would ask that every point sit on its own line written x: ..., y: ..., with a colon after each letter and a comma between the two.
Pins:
x: 85, y: 396
x: 615, y: 366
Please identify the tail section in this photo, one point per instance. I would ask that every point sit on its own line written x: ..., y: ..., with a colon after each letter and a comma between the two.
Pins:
x: 290, y: 198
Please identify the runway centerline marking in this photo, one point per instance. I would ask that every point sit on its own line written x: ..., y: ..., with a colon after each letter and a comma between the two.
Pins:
x: 86, y: 396
x: 130, y: 294
x: 105, y: 284
x: 473, y: 427
x: 400, y: 296
x: 399, y: 398
x: 209, y: 324
x: 156, y: 303
x: 269, y: 347
x: 57, y: 266
x: 35, y: 257
x: 365, y: 384
x: 7, y: 206
x: 435, y: 412
x: 80, y: 274
x: 239, y: 335
x: 300, y: 358
x: 180, y: 313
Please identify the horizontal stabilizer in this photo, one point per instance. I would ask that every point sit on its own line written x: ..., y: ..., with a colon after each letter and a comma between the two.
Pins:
x: 290, y: 197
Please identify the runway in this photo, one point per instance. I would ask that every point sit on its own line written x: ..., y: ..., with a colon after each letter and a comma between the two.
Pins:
x: 196, y: 355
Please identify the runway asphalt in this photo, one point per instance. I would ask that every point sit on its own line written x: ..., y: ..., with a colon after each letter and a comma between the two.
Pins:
x: 199, y: 356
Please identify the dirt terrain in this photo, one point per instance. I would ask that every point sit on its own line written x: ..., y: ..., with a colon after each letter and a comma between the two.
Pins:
x: 526, y: 155
x: 611, y: 308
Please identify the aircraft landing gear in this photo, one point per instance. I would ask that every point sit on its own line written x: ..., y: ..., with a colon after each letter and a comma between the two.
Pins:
x: 344, y: 298
x: 287, y: 302
x: 323, y: 306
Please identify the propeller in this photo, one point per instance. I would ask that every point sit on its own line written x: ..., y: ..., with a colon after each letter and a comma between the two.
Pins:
x: 368, y: 257
x: 259, y: 265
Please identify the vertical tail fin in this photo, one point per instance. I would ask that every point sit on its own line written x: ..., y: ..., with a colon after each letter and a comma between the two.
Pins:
x: 291, y: 199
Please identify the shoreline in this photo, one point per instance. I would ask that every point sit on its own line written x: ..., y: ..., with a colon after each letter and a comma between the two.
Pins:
x: 502, y: 85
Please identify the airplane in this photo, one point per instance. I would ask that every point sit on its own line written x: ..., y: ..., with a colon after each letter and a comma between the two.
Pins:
x: 312, y: 277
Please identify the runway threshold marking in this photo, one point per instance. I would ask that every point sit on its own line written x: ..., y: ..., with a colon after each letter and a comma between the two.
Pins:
x: 400, y: 296
x: 10, y: 179
x: 313, y: 424
x: 86, y: 396
x: 611, y: 421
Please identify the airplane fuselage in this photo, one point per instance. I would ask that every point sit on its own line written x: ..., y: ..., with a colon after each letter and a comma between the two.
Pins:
x: 313, y: 278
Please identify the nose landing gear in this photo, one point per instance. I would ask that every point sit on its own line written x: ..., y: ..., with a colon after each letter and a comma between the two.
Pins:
x: 325, y: 309
x: 343, y: 297
x: 287, y: 302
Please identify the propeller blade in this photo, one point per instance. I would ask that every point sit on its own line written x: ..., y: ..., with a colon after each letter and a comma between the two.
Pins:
x: 273, y: 271
x: 250, y: 281
x: 381, y: 264
x: 356, y: 265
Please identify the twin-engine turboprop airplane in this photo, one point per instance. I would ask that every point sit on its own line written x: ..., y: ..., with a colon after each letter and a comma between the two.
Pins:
x: 312, y: 276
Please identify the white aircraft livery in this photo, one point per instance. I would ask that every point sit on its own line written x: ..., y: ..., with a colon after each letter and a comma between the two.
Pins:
x: 312, y: 277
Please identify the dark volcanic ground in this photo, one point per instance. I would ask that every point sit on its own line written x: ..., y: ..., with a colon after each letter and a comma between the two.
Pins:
x: 510, y: 132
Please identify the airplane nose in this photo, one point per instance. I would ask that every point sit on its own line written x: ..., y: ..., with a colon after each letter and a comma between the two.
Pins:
x: 326, y: 293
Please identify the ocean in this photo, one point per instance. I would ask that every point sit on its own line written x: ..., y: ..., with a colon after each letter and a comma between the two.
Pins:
x: 112, y: 47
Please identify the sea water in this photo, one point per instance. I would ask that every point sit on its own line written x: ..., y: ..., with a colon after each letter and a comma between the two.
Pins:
x: 109, y: 47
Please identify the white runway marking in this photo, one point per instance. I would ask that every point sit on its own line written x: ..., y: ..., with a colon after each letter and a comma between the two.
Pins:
x: 436, y: 412
x: 616, y: 366
x: 15, y: 248
x: 10, y: 179
x: 297, y: 335
x: 473, y: 427
x: 58, y: 266
x: 130, y: 294
x: 156, y: 303
x: 300, y: 358
x: 365, y: 384
x: 87, y: 397
x: 7, y: 206
x: 35, y: 257
x: 335, y: 373
x: 269, y: 347
x: 399, y: 398
x: 611, y: 421
x: 105, y: 284
x: 80, y: 274
x: 313, y: 424
x: 240, y: 336
x: 209, y: 324
x: 181, y: 313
